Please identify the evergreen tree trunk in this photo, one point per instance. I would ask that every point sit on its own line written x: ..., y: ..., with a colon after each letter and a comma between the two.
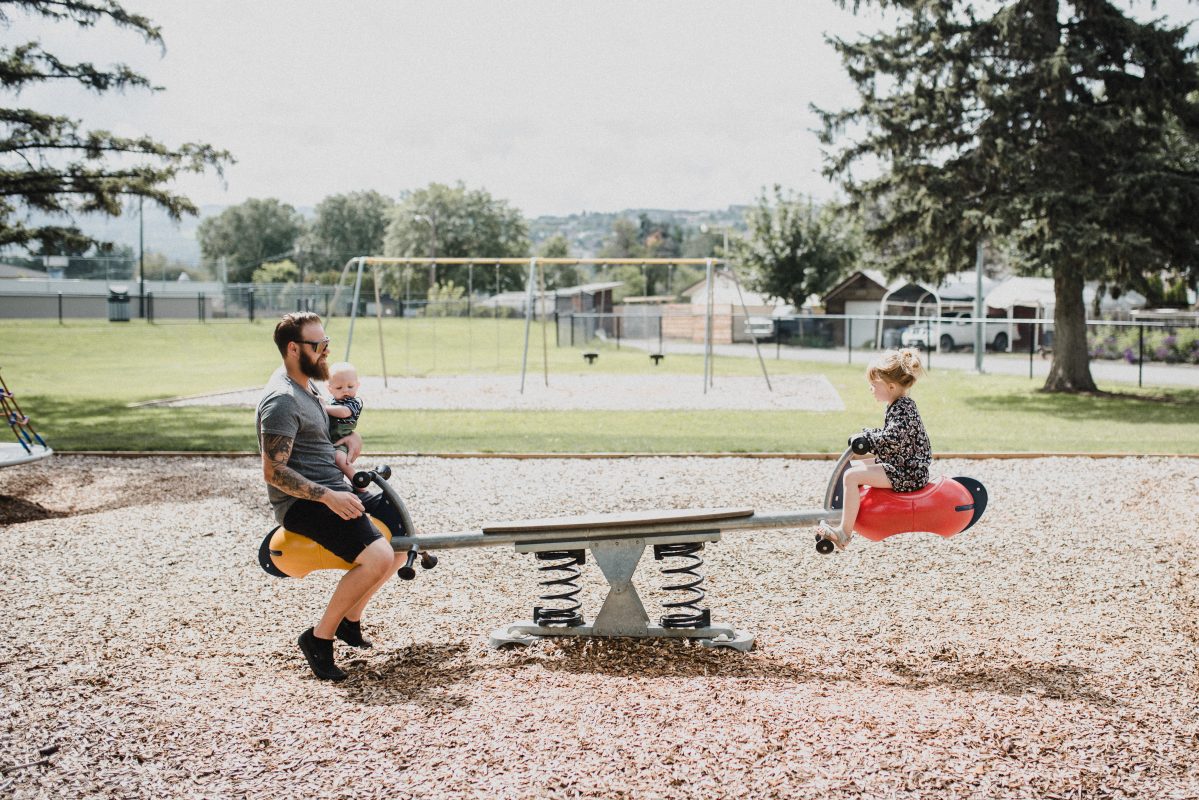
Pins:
x: 1071, y: 367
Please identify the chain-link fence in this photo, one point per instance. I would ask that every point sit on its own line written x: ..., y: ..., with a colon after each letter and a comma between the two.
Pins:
x: 854, y: 338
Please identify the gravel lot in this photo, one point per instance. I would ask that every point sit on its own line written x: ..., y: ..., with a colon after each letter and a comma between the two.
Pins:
x: 579, y: 392
x: 1048, y: 652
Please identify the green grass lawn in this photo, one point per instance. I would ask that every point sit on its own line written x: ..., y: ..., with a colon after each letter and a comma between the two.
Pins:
x: 77, y: 380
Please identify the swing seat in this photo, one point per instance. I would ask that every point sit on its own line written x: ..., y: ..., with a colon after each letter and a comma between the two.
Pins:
x: 13, y: 453
x: 946, y: 506
x: 286, y: 554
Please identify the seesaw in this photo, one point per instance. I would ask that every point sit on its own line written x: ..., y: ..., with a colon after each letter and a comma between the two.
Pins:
x: 617, y: 543
x: 286, y: 554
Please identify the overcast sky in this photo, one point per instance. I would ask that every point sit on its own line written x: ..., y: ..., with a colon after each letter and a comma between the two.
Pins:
x: 556, y: 106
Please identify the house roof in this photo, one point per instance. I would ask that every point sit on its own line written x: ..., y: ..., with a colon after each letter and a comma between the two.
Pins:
x: 872, y: 275
x: 1030, y: 292
x: 726, y: 292
x: 586, y: 288
x: 518, y: 298
x: 1038, y: 293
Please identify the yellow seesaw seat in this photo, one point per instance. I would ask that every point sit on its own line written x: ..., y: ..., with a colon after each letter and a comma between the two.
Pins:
x: 294, y: 555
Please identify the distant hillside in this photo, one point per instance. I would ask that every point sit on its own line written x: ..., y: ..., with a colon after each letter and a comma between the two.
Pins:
x: 175, y: 240
x: 586, y: 231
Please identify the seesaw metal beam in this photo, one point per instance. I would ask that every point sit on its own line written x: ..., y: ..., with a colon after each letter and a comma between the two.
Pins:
x: 477, y: 538
x: 617, y: 547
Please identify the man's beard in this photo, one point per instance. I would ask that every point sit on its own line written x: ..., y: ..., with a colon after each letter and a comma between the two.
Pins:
x: 314, y: 367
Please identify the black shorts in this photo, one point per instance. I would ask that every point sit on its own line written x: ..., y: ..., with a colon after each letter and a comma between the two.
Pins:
x: 345, y: 538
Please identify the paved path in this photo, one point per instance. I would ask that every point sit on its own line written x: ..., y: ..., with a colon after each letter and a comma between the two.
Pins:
x: 1103, y: 371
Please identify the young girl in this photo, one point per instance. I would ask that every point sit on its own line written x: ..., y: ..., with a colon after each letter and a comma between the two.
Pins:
x: 901, y: 448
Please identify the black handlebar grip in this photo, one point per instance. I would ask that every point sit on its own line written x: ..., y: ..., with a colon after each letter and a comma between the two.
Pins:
x: 406, y: 572
x: 361, y: 479
x: 383, y: 471
x: 859, y: 444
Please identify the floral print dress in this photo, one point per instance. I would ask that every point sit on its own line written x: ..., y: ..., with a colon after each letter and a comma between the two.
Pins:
x: 901, y: 446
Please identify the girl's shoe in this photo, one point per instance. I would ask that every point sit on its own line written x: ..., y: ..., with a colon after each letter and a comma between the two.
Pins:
x: 840, y: 540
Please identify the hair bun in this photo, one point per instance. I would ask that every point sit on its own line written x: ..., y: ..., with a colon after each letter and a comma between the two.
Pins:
x: 910, y: 359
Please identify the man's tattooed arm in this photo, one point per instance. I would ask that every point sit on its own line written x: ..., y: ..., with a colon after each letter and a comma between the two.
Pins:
x: 276, y: 450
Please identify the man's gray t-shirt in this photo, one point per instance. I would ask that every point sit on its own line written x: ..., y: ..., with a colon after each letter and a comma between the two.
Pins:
x: 298, y: 413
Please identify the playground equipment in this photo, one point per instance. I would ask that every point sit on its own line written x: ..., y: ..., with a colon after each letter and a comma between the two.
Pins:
x: 30, y: 446
x: 618, y: 541
x: 536, y: 276
x: 945, y: 506
x: 286, y: 554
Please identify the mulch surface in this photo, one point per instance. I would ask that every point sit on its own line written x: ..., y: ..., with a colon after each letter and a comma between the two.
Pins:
x: 1048, y: 652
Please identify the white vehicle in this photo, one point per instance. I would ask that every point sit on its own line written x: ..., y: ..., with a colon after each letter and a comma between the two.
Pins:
x: 956, y: 329
x: 760, y: 327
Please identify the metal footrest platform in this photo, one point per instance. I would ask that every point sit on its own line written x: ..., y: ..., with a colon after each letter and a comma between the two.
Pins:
x: 622, y: 613
x: 524, y: 633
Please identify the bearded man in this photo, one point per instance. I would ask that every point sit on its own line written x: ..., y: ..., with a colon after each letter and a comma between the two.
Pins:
x: 309, y: 493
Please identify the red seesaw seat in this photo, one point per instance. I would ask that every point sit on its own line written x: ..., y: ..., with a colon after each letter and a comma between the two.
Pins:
x: 945, y: 506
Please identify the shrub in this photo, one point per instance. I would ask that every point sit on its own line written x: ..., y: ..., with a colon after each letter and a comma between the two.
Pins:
x: 1161, y: 344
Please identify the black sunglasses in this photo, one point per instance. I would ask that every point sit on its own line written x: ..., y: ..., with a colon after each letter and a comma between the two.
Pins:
x: 319, y: 345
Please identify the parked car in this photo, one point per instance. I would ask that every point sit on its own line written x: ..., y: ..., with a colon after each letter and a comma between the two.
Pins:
x: 956, y: 329
x: 760, y: 327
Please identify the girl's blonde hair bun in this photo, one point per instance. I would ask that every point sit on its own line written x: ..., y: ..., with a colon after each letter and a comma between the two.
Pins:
x: 897, y: 366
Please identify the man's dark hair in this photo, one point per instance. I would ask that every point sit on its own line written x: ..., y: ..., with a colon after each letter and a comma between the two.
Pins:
x: 288, y: 329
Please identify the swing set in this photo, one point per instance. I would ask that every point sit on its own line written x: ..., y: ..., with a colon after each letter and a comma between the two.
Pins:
x: 536, y: 277
x: 30, y: 446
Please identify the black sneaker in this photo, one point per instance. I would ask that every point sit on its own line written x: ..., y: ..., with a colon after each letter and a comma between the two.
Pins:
x: 319, y: 653
x: 351, y: 634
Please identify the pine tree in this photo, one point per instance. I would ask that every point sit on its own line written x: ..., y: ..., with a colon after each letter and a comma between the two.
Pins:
x: 51, y: 164
x: 1064, y: 127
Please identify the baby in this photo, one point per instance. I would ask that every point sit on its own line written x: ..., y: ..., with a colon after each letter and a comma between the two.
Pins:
x: 344, y: 410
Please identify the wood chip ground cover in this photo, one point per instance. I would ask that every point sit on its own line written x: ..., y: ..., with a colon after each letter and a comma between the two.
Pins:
x: 1048, y: 652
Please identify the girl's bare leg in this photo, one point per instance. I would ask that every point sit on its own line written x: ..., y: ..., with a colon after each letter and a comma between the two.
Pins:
x: 855, y: 478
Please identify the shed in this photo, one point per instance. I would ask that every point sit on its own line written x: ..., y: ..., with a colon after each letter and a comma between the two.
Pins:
x: 725, y: 294
x: 588, y: 298
x: 729, y: 323
x: 857, y: 295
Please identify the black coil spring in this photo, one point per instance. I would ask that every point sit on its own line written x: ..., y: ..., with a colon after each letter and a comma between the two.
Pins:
x: 684, y: 612
x: 561, y: 579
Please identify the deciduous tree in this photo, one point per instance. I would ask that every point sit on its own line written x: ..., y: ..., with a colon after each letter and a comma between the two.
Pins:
x: 793, y: 249
x: 248, y: 234
x: 453, y: 221
x: 346, y: 225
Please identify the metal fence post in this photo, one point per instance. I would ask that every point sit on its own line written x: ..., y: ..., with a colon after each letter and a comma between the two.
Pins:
x: 1032, y: 338
x: 849, y: 338
x: 60, y: 308
x: 251, y: 305
x: 1140, y: 355
x: 150, y: 307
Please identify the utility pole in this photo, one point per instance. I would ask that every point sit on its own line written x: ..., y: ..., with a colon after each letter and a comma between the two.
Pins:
x: 980, y: 336
x: 141, y: 257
